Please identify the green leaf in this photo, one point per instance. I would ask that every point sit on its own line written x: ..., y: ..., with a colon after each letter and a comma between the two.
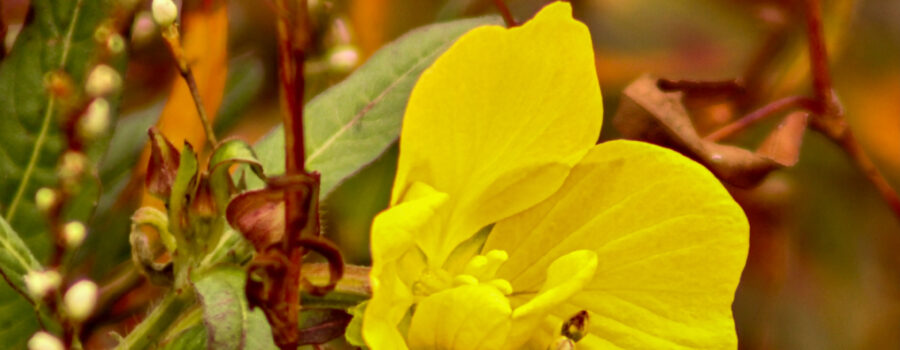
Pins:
x: 59, y: 37
x: 259, y: 335
x: 349, y: 125
x: 353, y: 333
x: 189, y: 339
x: 244, y: 83
x: 221, y: 291
x: 16, y: 260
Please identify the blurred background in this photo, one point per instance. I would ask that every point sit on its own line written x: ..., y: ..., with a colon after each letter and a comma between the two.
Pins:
x: 823, y: 271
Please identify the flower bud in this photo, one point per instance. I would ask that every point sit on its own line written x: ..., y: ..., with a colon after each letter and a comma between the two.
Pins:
x: 576, y: 327
x: 343, y: 58
x: 164, y: 12
x: 45, y: 198
x: 95, y: 120
x: 44, y: 341
x: 72, y: 165
x: 80, y: 300
x: 74, y: 233
x: 41, y: 283
x: 562, y: 343
x: 102, y: 81
x: 115, y: 44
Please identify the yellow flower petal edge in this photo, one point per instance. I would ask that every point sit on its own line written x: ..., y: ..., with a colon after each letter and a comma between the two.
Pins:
x: 670, y: 241
x: 466, y: 317
x: 392, y: 232
x: 498, y: 120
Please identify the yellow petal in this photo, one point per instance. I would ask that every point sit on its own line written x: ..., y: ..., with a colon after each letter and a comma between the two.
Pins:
x: 498, y: 120
x: 392, y: 241
x: 468, y: 317
x: 565, y: 277
x: 671, y: 244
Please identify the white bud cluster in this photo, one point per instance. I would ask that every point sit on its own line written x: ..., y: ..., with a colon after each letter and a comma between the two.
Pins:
x: 41, y: 283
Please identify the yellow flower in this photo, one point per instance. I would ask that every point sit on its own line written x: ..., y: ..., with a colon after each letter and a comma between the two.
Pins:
x: 506, y: 218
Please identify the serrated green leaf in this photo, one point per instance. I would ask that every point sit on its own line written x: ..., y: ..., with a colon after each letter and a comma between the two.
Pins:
x: 221, y: 292
x: 349, y: 125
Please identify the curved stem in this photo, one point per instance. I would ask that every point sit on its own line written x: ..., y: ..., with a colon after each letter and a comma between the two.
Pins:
x: 158, y: 321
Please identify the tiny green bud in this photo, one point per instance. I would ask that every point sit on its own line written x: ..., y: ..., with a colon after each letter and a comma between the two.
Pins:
x: 45, y: 199
x: 74, y: 233
x: 343, y: 58
x: 41, y: 283
x: 115, y: 44
x: 44, y: 341
x: 80, y: 300
x: 102, y: 81
x: 164, y: 12
x: 95, y: 120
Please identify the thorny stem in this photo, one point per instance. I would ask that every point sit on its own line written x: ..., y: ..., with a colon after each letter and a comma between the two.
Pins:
x: 768, y: 110
x: 504, y: 11
x: 173, y: 40
x: 830, y: 120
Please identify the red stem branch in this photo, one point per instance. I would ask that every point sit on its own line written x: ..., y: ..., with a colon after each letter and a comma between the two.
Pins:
x: 504, y: 11
x: 768, y: 110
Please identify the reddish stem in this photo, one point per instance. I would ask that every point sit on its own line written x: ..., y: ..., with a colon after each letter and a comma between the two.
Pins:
x: 768, y: 110
x: 818, y: 55
x: 504, y: 11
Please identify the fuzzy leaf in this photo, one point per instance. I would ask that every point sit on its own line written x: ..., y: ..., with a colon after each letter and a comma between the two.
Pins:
x: 221, y: 291
x: 351, y: 124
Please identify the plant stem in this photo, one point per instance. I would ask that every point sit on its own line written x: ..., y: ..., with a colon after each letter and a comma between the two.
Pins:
x: 158, y: 321
x: 768, y: 110
x: 504, y: 11
x: 293, y: 39
x: 173, y: 41
x: 830, y: 120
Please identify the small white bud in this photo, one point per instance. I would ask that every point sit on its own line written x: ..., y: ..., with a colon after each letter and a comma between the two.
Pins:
x: 102, y: 81
x: 74, y: 233
x: 41, y: 283
x: 164, y: 12
x: 80, y: 300
x: 45, y: 199
x: 44, y: 341
x: 95, y: 120
x: 72, y: 165
x: 343, y: 58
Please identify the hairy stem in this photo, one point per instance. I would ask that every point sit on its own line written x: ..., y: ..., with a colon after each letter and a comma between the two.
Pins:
x: 158, y: 321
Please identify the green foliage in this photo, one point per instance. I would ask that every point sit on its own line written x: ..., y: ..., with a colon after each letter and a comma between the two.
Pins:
x: 221, y: 291
x: 349, y: 125
x: 59, y: 38
x: 15, y: 258
x: 228, y: 322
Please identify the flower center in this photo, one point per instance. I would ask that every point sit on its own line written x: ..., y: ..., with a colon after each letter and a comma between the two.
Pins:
x: 480, y: 269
